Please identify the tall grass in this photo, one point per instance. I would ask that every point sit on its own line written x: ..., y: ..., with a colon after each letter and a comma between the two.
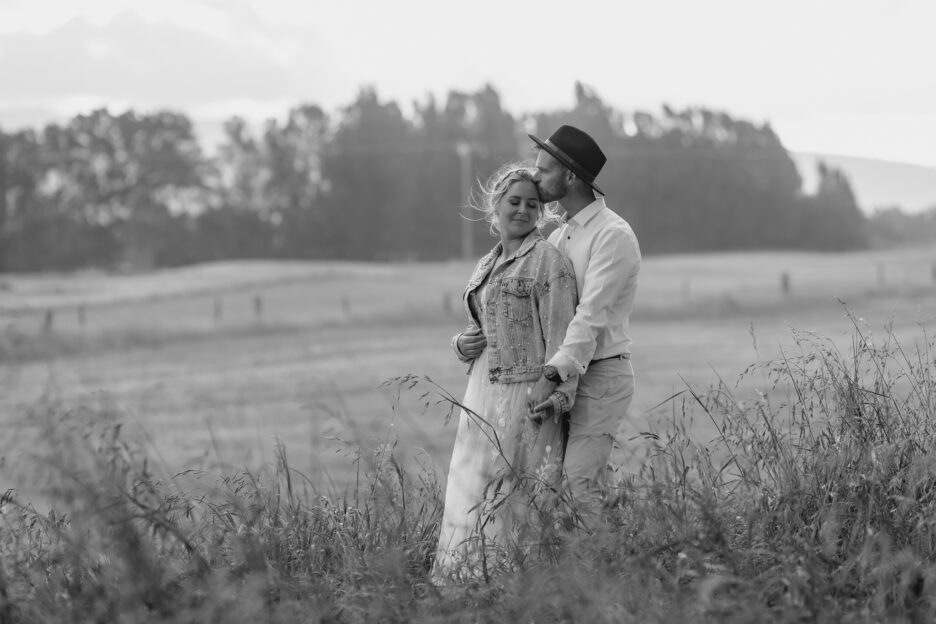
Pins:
x: 816, y: 501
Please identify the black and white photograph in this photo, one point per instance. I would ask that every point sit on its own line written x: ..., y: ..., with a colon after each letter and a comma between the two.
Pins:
x: 414, y: 311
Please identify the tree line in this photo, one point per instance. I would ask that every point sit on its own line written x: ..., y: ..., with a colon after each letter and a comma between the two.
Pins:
x: 375, y: 183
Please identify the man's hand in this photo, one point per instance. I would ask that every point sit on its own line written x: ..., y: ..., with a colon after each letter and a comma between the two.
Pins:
x: 472, y: 342
x: 548, y: 408
x: 538, y: 402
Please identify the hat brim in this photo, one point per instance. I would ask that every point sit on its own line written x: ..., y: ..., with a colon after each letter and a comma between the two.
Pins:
x: 576, y: 169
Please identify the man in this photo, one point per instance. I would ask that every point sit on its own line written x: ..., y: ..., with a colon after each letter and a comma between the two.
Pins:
x: 606, y: 259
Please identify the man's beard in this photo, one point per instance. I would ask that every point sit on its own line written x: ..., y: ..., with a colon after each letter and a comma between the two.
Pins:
x: 562, y: 188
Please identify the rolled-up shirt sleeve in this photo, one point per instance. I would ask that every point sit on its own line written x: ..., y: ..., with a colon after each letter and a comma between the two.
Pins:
x: 613, y: 264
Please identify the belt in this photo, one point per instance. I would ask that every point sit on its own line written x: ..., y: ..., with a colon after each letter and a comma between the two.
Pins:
x: 620, y: 356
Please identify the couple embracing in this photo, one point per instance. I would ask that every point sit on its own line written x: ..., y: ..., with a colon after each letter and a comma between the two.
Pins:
x: 550, y: 376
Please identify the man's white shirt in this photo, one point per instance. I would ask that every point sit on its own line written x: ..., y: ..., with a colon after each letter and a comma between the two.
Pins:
x: 606, y: 259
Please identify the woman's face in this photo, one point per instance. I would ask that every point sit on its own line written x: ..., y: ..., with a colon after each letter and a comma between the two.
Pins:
x: 518, y: 210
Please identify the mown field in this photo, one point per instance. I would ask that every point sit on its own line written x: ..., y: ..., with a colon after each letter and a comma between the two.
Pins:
x: 211, y: 365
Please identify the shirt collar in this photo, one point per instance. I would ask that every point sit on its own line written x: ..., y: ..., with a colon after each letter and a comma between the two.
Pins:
x: 587, y: 213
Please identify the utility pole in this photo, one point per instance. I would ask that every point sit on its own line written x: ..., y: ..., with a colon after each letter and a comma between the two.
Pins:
x: 467, y: 243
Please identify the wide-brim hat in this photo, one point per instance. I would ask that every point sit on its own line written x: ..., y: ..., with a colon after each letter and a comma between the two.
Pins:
x: 576, y: 150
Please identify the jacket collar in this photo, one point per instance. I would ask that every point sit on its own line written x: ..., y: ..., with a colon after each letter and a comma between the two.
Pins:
x: 488, y: 261
x: 528, y: 242
x: 524, y: 249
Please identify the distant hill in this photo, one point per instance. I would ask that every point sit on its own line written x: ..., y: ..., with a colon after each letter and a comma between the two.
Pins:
x: 877, y: 183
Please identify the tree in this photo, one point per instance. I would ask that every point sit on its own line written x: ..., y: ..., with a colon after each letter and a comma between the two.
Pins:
x: 376, y: 184
x: 128, y: 172
x: 294, y: 183
x: 891, y: 227
x: 836, y: 221
x: 369, y: 165
x: 241, y: 169
x: 489, y: 136
x: 20, y: 170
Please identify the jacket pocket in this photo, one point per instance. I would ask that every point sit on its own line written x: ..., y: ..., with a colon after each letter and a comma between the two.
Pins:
x: 518, y: 298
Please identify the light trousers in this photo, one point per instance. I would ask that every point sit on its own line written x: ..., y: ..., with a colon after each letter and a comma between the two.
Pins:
x: 604, y: 393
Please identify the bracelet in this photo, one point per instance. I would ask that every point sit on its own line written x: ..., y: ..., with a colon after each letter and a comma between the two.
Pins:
x: 560, y: 402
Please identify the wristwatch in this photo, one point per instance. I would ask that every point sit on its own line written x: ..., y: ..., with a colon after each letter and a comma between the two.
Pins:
x: 552, y: 374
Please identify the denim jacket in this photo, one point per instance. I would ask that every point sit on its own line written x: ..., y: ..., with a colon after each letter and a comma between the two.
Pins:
x: 531, y: 300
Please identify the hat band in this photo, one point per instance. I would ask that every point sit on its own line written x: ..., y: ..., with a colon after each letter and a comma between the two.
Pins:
x: 574, y: 166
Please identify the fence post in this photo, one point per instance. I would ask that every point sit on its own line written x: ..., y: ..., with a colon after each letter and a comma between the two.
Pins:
x: 258, y: 307
x: 218, y: 310
x: 785, y: 283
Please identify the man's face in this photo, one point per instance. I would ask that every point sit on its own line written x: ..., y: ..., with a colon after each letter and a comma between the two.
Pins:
x: 550, y: 177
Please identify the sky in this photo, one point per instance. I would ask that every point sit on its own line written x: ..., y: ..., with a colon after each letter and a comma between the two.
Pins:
x: 848, y: 77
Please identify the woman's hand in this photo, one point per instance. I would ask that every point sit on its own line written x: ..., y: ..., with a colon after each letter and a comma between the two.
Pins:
x: 472, y: 342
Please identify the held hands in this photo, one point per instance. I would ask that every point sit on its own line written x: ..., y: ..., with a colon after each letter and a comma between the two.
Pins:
x: 540, y: 401
x: 472, y: 342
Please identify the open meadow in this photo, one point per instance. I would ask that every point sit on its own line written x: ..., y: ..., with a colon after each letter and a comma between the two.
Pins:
x: 214, y: 364
x: 240, y: 442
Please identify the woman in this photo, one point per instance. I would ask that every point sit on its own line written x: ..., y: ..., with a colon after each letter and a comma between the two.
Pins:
x: 506, y: 462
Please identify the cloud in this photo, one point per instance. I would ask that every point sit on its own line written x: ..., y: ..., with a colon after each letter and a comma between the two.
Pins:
x: 811, y: 69
x: 129, y: 58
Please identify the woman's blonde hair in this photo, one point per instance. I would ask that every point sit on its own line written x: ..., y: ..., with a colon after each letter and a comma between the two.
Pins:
x: 489, y: 193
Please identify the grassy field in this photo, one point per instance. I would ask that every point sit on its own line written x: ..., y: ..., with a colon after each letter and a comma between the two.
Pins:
x: 212, y: 364
x: 171, y: 452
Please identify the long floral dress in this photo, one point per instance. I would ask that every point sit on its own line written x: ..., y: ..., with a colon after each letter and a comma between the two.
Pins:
x: 502, y: 480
